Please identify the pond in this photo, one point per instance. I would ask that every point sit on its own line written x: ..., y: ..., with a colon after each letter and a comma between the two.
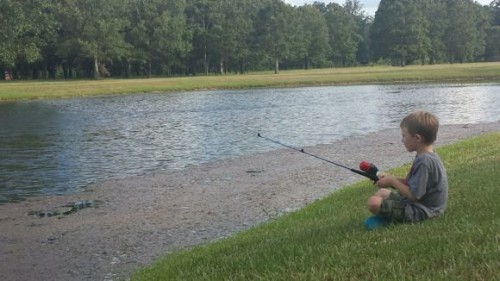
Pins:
x: 61, y: 146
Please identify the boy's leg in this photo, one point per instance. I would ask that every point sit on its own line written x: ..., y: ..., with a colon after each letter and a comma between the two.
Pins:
x: 393, y: 207
x: 375, y: 201
x: 388, y: 204
x: 383, y: 192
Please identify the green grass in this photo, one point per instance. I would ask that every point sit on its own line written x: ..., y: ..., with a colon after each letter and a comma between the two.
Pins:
x: 327, y: 240
x: 472, y: 72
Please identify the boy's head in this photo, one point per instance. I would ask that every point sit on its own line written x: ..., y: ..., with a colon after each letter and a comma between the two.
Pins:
x: 421, y: 123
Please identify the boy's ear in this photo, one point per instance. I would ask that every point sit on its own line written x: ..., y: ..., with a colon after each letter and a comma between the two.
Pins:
x: 419, y: 138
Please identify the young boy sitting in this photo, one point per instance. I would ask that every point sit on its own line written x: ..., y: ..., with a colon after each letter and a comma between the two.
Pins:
x: 424, y: 192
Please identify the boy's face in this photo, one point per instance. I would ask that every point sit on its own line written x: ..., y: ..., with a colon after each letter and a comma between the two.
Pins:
x: 410, y: 141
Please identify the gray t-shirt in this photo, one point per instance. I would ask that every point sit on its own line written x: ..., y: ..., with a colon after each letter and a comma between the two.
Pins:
x: 428, y: 183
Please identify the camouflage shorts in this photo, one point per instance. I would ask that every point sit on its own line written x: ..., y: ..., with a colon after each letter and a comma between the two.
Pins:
x: 393, y: 207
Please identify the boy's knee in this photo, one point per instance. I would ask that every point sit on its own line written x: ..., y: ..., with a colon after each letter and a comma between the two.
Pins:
x: 383, y: 192
x: 374, y: 203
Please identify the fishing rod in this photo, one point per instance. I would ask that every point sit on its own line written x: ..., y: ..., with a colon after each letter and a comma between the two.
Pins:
x: 367, y: 169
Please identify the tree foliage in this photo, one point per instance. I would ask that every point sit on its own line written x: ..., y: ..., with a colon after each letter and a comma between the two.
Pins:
x: 158, y: 36
x: 400, y: 32
x: 344, y: 35
x: 405, y: 31
x: 145, y: 38
x: 27, y: 28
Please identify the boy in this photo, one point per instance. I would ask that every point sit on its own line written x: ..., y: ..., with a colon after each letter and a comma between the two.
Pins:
x: 424, y: 192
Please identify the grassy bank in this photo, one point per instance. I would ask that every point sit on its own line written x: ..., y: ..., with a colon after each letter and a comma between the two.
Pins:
x: 21, y: 90
x: 327, y: 239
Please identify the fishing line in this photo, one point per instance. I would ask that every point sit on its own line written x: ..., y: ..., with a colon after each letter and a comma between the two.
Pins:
x: 371, y: 174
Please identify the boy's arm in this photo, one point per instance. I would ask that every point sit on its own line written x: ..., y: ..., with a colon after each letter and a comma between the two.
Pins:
x: 383, y: 174
x: 397, y: 183
x: 404, y: 190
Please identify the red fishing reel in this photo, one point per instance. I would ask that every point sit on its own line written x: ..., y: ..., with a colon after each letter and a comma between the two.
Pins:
x: 368, y: 168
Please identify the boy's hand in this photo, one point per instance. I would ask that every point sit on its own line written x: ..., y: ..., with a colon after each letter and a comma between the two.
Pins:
x: 386, y: 180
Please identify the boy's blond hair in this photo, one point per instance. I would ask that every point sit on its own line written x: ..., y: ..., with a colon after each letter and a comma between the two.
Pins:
x: 422, y: 123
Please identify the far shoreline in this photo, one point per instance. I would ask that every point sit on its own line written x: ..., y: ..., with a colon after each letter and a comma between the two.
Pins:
x: 360, y: 75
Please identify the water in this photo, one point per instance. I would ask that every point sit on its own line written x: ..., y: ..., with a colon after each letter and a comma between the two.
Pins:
x: 61, y: 146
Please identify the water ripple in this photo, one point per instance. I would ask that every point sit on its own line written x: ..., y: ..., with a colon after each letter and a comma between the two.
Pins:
x: 61, y: 146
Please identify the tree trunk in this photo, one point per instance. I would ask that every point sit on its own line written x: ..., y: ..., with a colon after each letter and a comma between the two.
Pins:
x: 128, y: 72
x: 205, y: 60
x: 8, y: 74
x: 221, y: 66
x: 65, y: 70
x: 241, y: 67
x: 51, y: 71
x: 403, y: 58
x: 96, y: 68
x: 276, y: 66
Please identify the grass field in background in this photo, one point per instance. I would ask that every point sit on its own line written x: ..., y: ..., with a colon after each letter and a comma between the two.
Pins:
x: 471, y: 72
x: 327, y: 240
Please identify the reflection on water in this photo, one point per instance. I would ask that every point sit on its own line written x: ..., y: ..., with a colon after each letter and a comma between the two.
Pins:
x: 56, y: 147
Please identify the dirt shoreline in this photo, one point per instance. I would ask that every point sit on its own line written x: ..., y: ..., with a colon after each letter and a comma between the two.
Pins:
x: 141, y: 218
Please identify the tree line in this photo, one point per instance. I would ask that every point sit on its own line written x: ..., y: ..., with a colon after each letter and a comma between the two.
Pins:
x: 144, y: 38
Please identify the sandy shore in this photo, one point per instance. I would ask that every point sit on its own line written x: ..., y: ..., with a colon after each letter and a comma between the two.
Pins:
x: 141, y: 218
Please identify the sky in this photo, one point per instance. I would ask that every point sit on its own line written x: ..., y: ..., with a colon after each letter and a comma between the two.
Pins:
x: 369, y: 6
